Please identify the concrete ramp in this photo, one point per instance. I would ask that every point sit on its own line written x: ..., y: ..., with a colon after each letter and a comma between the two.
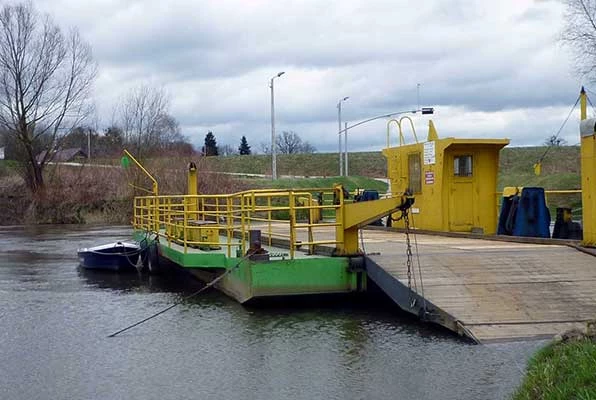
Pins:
x: 488, y: 290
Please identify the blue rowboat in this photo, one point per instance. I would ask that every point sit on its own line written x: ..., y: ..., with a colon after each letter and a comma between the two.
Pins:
x: 116, y: 257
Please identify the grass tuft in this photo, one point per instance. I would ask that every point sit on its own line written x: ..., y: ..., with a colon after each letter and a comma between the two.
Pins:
x: 565, y: 370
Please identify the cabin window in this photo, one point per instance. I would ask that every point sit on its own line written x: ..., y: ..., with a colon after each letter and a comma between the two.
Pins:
x: 462, y: 166
x: 414, y: 173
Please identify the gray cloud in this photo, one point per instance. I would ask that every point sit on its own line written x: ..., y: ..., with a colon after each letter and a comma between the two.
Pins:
x: 495, y: 63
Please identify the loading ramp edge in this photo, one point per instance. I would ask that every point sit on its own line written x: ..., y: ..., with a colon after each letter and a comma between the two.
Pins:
x: 414, y: 303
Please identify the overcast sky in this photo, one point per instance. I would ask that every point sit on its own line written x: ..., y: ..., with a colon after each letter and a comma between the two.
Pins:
x: 490, y: 68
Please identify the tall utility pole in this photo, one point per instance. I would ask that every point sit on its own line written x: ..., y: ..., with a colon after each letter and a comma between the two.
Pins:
x: 417, y: 96
x: 273, y: 147
x: 346, y: 147
x: 341, y: 169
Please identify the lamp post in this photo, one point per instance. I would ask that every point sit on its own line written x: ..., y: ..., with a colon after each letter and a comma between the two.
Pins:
x: 346, y: 147
x: 341, y: 169
x: 273, y: 147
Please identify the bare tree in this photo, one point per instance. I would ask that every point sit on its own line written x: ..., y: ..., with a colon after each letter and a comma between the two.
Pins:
x: 168, y: 131
x: 265, y: 148
x: 580, y: 34
x: 143, y: 116
x: 308, y: 148
x: 146, y: 123
x: 289, y: 142
x: 555, y: 141
x: 227, y: 150
x: 45, y: 80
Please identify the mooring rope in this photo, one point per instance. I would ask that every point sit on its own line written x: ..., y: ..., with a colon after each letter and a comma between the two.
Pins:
x: 419, y: 267
x: 207, y: 286
x: 139, y: 264
x: 559, y: 131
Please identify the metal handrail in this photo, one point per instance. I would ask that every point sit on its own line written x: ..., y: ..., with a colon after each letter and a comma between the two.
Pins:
x: 402, y: 140
x: 185, y: 220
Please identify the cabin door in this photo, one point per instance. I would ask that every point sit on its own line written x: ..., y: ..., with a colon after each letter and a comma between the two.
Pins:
x: 461, y: 193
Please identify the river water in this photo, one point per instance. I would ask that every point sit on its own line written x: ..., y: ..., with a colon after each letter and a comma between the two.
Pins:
x: 55, y: 320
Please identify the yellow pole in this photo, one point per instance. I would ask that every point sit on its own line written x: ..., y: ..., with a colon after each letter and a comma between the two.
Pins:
x: 154, y: 190
x: 588, y: 168
x: 347, y: 238
x: 269, y: 216
x: 192, y: 179
x: 292, y: 200
x: 138, y: 164
x: 583, y: 99
x: 229, y: 224
x: 192, y: 190
x: 339, y: 216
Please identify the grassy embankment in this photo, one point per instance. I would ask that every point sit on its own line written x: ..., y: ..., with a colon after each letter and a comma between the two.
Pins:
x: 560, y: 169
x: 83, y: 194
x: 371, y: 164
x: 565, y: 370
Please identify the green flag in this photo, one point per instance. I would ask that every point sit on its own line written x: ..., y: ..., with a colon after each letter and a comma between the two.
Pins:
x: 125, y: 162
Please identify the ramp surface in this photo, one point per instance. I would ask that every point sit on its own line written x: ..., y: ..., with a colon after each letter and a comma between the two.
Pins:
x: 496, y: 291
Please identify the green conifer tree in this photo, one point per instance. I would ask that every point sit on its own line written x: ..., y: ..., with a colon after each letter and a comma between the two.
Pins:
x: 244, y: 148
x: 210, y: 147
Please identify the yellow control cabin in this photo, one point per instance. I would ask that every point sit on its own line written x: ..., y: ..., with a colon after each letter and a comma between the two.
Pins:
x: 453, y: 180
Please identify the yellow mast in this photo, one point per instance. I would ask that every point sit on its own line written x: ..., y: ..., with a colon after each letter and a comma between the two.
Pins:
x: 588, y: 172
x: 583, y: 102
x: 192, y: 206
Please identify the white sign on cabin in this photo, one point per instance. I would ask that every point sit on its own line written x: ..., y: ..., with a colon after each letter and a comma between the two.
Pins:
x: 429, y: 153
x: 1, y: 153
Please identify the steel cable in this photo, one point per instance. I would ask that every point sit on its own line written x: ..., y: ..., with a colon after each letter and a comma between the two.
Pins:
x: 207, y: 286
x: 559, y: 131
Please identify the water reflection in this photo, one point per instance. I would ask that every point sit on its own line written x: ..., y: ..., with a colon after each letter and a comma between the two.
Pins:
x: 355, y: 337
x: 138, y: 282
x: 57, y: 318
x: 114, y: 281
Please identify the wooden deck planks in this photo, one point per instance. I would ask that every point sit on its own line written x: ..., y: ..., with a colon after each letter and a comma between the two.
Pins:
x: 498, y: 291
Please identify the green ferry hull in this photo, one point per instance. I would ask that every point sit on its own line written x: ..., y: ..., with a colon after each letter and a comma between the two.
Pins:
x: 254, y: 279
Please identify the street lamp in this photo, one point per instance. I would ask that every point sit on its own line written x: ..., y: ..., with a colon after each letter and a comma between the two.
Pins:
x: 341, y: 170
x: 273, y: 147
x: 346, y: 148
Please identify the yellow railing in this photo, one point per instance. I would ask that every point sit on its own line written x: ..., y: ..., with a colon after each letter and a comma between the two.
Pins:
x: 402, y: 139
x: 223, y: 222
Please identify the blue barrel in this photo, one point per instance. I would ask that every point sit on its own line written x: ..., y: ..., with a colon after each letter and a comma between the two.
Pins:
x: 525, y: 215
x: 533, y: 216
x: 507, y: 215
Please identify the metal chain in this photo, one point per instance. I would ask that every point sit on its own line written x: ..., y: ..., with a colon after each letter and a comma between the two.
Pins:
x: 411, y: 299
